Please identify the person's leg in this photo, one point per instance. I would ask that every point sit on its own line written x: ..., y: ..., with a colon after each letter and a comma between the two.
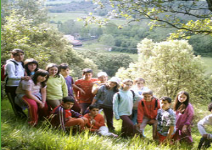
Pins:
x: 11, y: 94
x: 53, y: 103
x: 134, y: 116
x: 127, y: 126
x: 143, y: 125
x: 76, y: 121
x: 44, y: 112
x: 109, y: 118
x: 33, y: 110
x: 84, y: 107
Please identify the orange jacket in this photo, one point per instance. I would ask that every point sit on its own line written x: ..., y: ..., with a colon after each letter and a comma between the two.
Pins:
x: 99, y: 122
x: 148, y: 109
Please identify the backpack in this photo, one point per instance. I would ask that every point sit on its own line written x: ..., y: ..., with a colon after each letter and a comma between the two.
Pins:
x: 156, y: 103
x: 119, y: 97
x: 3, y: 70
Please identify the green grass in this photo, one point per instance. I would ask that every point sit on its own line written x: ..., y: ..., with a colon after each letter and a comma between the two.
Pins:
x: 208, y: 63
x: 16, y: 134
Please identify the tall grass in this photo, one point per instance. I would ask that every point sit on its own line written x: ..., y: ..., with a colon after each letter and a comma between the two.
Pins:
x: 16, y: 134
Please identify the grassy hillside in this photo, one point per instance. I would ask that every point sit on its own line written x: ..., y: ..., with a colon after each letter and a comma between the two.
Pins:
x: 16, y: 134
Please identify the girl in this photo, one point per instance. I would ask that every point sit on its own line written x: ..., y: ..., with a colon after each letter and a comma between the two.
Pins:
x: 139, y: 87
x: 31, y: 66
x: 33, y: 93
x: 184, y: 116
x: 56, y: 86
x: 104, y: 98
x: 122, y: 107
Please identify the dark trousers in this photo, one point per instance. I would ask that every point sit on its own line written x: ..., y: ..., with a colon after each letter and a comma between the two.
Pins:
x: 76, y: 107
x: 109, y: 117
x: 11, y: 94
x: 128, y: 128
x: 84, y: 107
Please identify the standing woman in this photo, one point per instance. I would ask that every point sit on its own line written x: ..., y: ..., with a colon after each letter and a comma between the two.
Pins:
x: 15, y: 73
x: 123, y: 105
x: 31, y: 66
x: 33, y: 93
x: 184, y: 116
x: 104, y: 98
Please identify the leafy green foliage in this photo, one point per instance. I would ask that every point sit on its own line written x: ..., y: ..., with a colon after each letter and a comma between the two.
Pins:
x: 169, y: 67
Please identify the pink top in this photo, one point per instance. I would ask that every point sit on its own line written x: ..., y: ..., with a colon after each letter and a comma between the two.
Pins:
x: 185, y: 118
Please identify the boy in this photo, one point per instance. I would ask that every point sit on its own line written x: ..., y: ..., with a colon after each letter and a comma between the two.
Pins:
x: 166, y: 121
x: 96, y: 122
x: 65, y: 117
x: 102, y: 76
x: 206, y: 137
x: 85, y: 84
x: 65, y: 71
x: 147, y: 111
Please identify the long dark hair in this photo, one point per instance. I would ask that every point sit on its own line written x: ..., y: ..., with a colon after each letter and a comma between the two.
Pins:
x: 181, y: 106
x: 30, y: 61
x: 42, y: 73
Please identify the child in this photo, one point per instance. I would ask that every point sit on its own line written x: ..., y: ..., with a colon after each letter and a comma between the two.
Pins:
x: 104, y: 98
x: 206, y: 137
x: 85, y: 84
x: 102, y: 76
x: 31, y: 66
x: 184, y: 116
x: 32, y: 93
x: 165, y: 121
x: 56, y: 86
x: 139, y: 88
x: 96, y: 122
x: 64, y: 70
x: 64, y: 117
x: 147, y: 111
x: 122, y: 107
x: 15, y: 73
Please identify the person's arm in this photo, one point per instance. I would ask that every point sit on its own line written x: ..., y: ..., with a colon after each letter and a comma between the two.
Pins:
x: 100, y: 121
x: 168, y: 137
x: 205, y: 121
x: 78, y: 88
x: 97, y: 96
x: 140, y: 113
x: 43, y: 93
x: 115, y: 106
x: 31, y: 96
x: 64, y: 86
x: 190, y: 114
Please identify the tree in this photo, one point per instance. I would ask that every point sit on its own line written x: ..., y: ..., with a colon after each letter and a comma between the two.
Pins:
x: 169, y: 67
x: 188, y: 17
x: 40, y: 42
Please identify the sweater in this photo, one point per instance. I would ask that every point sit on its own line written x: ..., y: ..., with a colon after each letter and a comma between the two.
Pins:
x: 205, y: 121
x: 14, y: 73
x: 147, y: 110
x: 99, y: 122
x: 123, y: 106
x: 56, y: 88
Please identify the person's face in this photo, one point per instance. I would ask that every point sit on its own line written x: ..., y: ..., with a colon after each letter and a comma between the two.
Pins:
x: 19, y: 57
x: 32, y: 67
x: 147, y: 97
x: 67, y: 105
x: 182, y: 98
x: 127, y: 85
x: 65, y: 72
x: 140, y: 84
x: 112, y: 84
x: 94, y: 111
x: 102, y: 79
x: 53, y: 71
x: 165, y: 105
x: 41, y: 78
x: 88, y: 76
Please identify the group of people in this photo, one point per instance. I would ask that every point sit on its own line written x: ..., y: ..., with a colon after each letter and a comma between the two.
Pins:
x: 53, y: 94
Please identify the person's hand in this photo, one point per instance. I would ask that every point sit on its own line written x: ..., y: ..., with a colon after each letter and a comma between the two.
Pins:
x: 184, y: 129
x: 26, y: 78
x: 205, y: 136
x: 41, y: 105
x: 151, y: 122
x: 93, y: 122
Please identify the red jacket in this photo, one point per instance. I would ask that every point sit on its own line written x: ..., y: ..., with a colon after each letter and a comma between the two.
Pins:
x: 148, y: 109
x: 99, y: 122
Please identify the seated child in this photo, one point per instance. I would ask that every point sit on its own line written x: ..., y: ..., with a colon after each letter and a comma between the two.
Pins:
x: 96, y: 122
x: 206, y: 137
x: 65, y: 117
x: 147, y: 111
x: 165, y: 121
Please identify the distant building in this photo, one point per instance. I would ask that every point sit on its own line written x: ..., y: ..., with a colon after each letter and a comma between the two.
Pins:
x: 72, y: 40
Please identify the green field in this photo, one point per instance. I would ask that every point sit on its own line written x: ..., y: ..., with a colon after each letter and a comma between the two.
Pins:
x: 208, y: 62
